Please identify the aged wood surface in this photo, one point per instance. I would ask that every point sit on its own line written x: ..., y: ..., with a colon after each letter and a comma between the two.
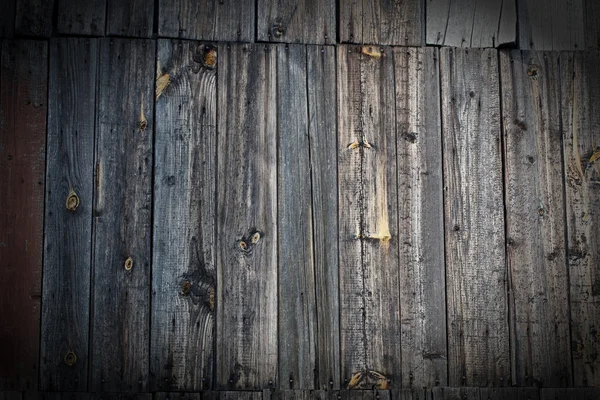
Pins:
x: 581, y: 129
x: 122, y: 216
x: 34, y: 17
x: 23, y: 102
x: 455, y: 393
x: 68, y: 215
x: 471, y: 23
x: 420, y: 218
x: 592, y: 24
x: 477, y: 308
x: 535, y: 219
x: 133, y: 18
x: 81, y: 17
x: 11, y: 395
x: 570, y: 394
x: 247, y: 217
x: 381, y: 22
x: 297, y: 21
x: 509, y: 393
x: 410, y: 394
x: 322, y: 130
x: 216, y: 20
x: 177, y: 395
x: 56, y: 395
x: 7, y: 19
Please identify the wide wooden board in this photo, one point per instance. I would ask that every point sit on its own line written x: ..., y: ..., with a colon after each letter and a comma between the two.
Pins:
x: 134, y: 18
x: 81, y: 17
x: 34, y: 17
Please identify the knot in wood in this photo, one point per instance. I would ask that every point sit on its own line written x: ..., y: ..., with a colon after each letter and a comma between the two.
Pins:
x: 72, y: 201
x: 532, y: 71
x: 128, y: 264
x: 70, y: 358
x: 185, y: 288
x: 278, y: 30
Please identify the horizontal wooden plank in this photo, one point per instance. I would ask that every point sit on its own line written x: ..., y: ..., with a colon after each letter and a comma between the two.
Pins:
x: 132, y: 18
x: 34, y: 17
x: 81, y: 17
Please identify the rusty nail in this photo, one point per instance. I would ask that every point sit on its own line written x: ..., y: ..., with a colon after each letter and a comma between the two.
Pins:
x: 70, y: 358
x: 72, y: 201
x: 128, y: 264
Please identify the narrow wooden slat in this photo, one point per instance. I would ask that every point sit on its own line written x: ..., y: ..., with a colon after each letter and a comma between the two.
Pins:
x: 123, y: 207
x: 411, y: 394
x: 324, y: 395
x: 421, y: 218
x: 247, y: 218
x: 581, y: 129
x: 81, y: 17
x: 592, y: 24
x: 7, y: 19
x: 68, y: 221
x: 215, y: 20
x: 478, y: 336
x: 570, y: 394
x: 381, y: 22
x: 23, y: 102
x: 297, y: 21
x: 34, y: 17
x: 509, y: 393
x: 287, y: 394
x: 134, y: 18
x: 454, y: 393
x: 322, y: 126
x: 184, y: 274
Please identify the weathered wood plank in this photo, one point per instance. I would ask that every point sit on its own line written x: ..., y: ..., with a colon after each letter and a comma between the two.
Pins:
x: 509, y: 393
x: 34, y: 17
x: 68, y: 216
x: 420, y: 218
x: 23, y: 102
x: 478, y: 335
x: 35, y: 395
x: 410, y: 394
x: 240, y: 395
x: 535, y: 219
x: 247, y: 217
x: 592, y: 24
x: 287, y: 394
x: 454, y: 393
x: 11, y: 395
x: 133, y: 18
x: 570, y: 393
x: 119, y: 396
x: 322, y: 127
x: 297, y: 21
x: 123, y: 207
x: 381, y: 22
x: 7, y: 19
x: 81, y: 17
x: 184, y: 274
x: 222, y: 20
x: 581, y: 129
x: 471, y: 23
x: 177, y: 395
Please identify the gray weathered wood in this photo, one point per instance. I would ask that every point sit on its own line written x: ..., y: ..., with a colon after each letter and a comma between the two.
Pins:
x: 133, y: 18
x: 184, y: 273
x: 297, y: 21
x: 581, y: 129
x: 478, y: 335
x: 81, y: 17
x: 592, y: 24
x: 216, y: 20
x: 7, y: 19
x: 23, y: 102
x: 287, y: 394
x: 119, y: 396
x: 247, y: 217
x: 237, y: 395
x: 411, y: 394
x: 454, y: 393
x: 471, y: 23
x: 357, y: 395
x: 177, y: 395
x: 535, y: 219
x: 122, y: 209
x: 35, y: 395
x: 34, y: 17
x: 68, y: 220
x: 322, y: 127
x: 420, y: 218
x: 570, y: 394
x: 509, y: 393
x: 381, y: 22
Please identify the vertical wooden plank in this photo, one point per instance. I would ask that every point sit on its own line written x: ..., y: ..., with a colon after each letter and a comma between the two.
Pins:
x: 454, y: 393
x: 322, y: 127
x: 56, y: 396
x: 411, y: 394
x: 23, y: 102
x: 7, y: 19
x: 81, y: 17
x: 34, y: 17
x: 581, y: 129
x: 421, y: 218
x: 478, y: 336
x: 176, y: 395
x: 535, y: 219
x: 570, y: 393
x: 119, y: 396
x: 184, y: 274
x: 247, y: 217
x: 503, y: 393
x: 68, y: 216
x: 222, y: 20
x: 134, y: 18
x: 592, y: 24
x: 123, y: 207
x: 381, y: 22
x: 297, y: 21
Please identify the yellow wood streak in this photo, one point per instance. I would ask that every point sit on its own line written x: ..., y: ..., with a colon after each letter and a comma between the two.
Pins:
x: 161, y: 84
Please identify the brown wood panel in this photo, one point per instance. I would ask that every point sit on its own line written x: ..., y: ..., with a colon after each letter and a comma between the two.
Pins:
x: 133, y: 18
x: 81, y: 17
x: 23, y: 102
x: 7, y: 19
x: 34, y: 17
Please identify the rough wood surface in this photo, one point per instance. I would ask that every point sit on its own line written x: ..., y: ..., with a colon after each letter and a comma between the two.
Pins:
x: 34, y: 17
x: 81, y: 17
x: 509, y: 393
x: 471, y: 23
x: 570, y: 394
x: 177, y: 395
x: 297, y: 21
x: 455, y: 393
x: 11, y: 395
x: 215, y: 20
x: 581, y: 129
x: 122, y: 216
x: 410, y: 394
x: 477, y: 308
x: 23, y: 102
x: 7, y: 19
x: 133, y: 18
x: 184, y: 274
x: 592, y: 24
x: 381, y: 22
x: 420, y: 218
x: 247, y: 217
x: 68, y: 221
x: 31, y: 395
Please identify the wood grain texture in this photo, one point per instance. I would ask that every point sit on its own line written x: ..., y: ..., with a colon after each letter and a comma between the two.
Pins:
x: 420, y: 218
x: 118, y: 396
x: 478, y: 335
x: 297, y: 21
x: 7, y: 19
x: 471, y: 23
x: 455, y: 393
x: 177, y: 396
x: 34, y: 17
x: 247, y: 217
x: 570, y: 394
x: 122, y: 217
x: 213, y: 20
x: 23, y: 102
x: 68, y: 231
x: 581, y: 129
x: 410, y: 394
x: 381, y: 22
x: 535, y: 219
x: 34, y: 395
x: 133, y: 18
x: 509, y: 393
x: 81, y: 17
x: 592, y: 24
x: 322, y: 130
